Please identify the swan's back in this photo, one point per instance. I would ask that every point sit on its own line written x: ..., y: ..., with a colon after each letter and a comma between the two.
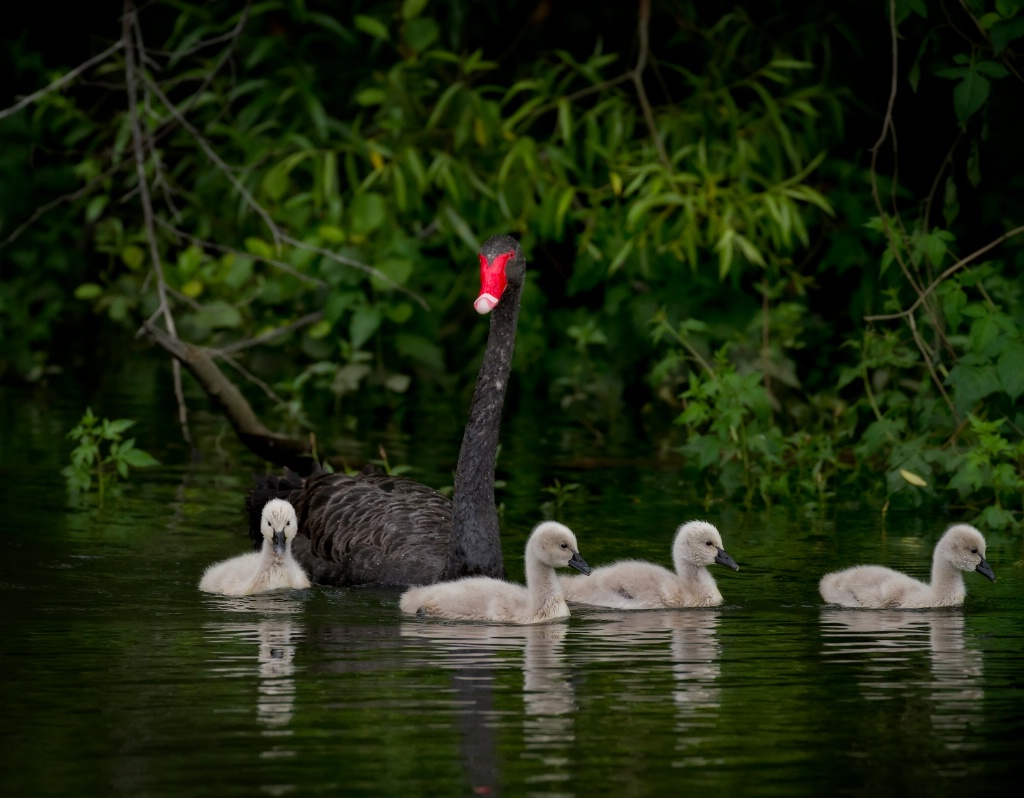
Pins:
x: 873, y: 587
x: 478, y: 598
x: 364, y: 528
x: 639, y: 585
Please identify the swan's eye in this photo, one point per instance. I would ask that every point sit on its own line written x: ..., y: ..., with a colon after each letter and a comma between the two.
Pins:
x: 565, y: 545
x: 708, y: 543
x: 974, y: 549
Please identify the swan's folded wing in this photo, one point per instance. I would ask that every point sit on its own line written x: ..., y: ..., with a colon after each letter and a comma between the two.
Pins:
x: 372, y: 528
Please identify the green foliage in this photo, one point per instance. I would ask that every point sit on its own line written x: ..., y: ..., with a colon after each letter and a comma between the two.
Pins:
x: 101, y: 455
x: 824, y: 325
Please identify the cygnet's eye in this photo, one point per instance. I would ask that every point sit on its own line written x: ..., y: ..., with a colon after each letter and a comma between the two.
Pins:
x: 974, y: 549
x: 565, y: 545
x: 708, y: 543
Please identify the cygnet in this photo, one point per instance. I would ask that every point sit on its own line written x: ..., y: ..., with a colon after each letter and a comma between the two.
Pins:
x: 640, y: 585
x: 961, y: 548
x: 479, y: 598
x: 272, y: 568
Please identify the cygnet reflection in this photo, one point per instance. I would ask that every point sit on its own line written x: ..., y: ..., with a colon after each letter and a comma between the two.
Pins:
x: 274, y: 641
x: 477, y: 653
x: 887, y: 648
x: 686, y: 639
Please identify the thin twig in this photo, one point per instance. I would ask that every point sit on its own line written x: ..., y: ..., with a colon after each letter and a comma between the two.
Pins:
x: 278, y: 264
x: 69, y: 197
x: 63, y: 80
x: 270, y: 335
x: 935, y: 284
x: 254, y: 380
x: 947, y: 161
x: 130, y: 21
x: 219, y: 162
x: 638, y: 82
x: 279, y: 236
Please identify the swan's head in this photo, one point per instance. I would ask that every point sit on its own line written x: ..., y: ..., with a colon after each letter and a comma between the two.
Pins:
x: 554, y: 544
x: 964, y: 547
x: 278, y: 524
x: 501, y: 263
x: 698, y: 543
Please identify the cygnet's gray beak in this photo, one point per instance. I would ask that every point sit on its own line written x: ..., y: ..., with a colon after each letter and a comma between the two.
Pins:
x: 579, y: 563
x: 985, y: 570
x: 279, y: 542
x: 724, y: 559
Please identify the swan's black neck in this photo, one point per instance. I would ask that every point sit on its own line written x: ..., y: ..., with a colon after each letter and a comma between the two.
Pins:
x: 475, y: 547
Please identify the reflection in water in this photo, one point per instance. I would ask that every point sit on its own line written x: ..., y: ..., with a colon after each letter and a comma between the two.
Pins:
x: 885, y: 644
x: 475, y: 652
x: 275, y: 638
x: 694, y: 650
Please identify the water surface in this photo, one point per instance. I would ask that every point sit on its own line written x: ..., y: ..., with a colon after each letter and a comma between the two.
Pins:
x: 120, y: 677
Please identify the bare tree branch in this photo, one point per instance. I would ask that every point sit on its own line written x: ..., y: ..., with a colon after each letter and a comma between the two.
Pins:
x: 63, y: 80
x: 942, y: 277
x: 129, y: 22
x: 281, y: 450
x: 638, y: 81
x: 270, y: 335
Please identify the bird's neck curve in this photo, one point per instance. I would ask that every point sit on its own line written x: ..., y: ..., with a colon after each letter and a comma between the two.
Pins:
x: 475, y: 546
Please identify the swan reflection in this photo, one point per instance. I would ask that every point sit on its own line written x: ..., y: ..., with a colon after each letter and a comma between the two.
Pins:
x: 689, y: 641
x: 477, y: 652
x: 274, y: 639
x: 885, y: 645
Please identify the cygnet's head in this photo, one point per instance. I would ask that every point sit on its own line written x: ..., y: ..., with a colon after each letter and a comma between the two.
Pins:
x: 554, y: 544
x: 963, y: 546
x: 698, y: 543
x: 279, y: 524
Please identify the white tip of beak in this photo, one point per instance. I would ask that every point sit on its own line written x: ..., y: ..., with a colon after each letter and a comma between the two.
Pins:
x: 485, y: 303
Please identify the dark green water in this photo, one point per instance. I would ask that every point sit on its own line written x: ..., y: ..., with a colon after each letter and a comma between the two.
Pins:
x: 117, y: 676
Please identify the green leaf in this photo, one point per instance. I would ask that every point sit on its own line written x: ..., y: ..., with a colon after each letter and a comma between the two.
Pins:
x: 396, y: 271
x: 953, y: 303
x: 994, y: 517
x: 137, y: 458
x: 992, y: 69
x: 972, y: 383
x: 421, y: 34
x: 412, y: 8
x: 1011, y: 369
x: 969, y: 95
x: 950, y: 203
x: 368, y: 211
x: 95, y: 208
x: 364, y: 324
x: 399, y: 383
x: 371, y: 96
x: 1004, y: 32
x: 320, y: 330
x: 133, y: 256
x: 88, y: 291
x: 117, y: 426
x: 372, y: 26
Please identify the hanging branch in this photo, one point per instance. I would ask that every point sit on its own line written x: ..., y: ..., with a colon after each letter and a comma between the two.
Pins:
x: 63, y: 80
x: 638, y: 81
x: 281, y: 450
x: 129, y: 21
x: 888, y: 130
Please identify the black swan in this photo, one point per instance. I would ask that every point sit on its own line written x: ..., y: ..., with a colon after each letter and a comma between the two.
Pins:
x: 380, y: 529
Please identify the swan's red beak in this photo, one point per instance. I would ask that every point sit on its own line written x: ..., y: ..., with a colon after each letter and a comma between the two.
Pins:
x: 492, y: 282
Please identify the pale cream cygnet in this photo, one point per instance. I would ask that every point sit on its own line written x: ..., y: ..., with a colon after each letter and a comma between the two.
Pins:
x: 272, y: 568
x: 961, y: 548
x: 640, y: 585
x: 481, y: 598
